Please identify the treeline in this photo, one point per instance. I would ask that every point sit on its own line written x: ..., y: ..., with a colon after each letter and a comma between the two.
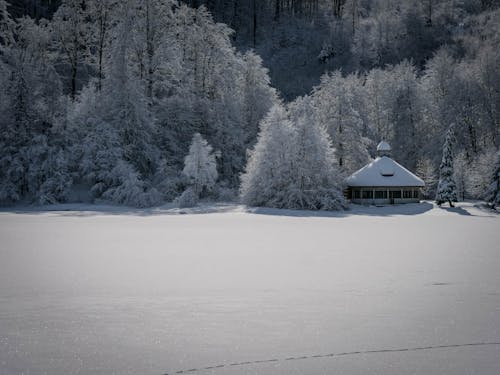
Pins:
x: 306, y: 38
x: 139, y: 102
x: 103, y: 100
x: 348, y: 115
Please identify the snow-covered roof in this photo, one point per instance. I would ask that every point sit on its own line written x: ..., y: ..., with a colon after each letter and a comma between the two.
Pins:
x: 383, y: 146
x: 384, y: 171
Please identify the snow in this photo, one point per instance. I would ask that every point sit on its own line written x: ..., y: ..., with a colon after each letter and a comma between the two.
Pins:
x: 384, y: 171
x: 104, y: 290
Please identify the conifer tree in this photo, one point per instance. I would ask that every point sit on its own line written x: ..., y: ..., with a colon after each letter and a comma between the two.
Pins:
x: 317, y: 182
x: 447, y: 189
x: 268, y: 171
x: 293, y: 163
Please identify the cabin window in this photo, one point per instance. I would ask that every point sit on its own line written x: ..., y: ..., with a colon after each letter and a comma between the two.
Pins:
x: 407, y: 194
x: 396, y: 194
x: 357, y: 194
x: 380, y: 194
x: 415, y: 194
x: 367, y: 194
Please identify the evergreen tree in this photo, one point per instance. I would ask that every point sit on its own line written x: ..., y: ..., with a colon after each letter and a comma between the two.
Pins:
x: 447, y: 189
x: 317, y: 181
x: 293, y: 163
x: 493, y: 191
x: 200, y: 166
x: 268, y: 173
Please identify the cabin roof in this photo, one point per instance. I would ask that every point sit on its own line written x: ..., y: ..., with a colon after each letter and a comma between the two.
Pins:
x: 383, y: 171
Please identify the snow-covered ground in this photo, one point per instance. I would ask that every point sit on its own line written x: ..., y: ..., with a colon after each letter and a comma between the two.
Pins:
x: 100, y: 290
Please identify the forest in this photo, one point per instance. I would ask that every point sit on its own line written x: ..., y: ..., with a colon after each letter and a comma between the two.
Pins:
x: 273, y: 102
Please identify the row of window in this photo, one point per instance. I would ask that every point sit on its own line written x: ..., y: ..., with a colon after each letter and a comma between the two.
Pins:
x: 382, y: 194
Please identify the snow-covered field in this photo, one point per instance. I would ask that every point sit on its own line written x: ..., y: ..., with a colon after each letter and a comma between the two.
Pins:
x: 95, y: 290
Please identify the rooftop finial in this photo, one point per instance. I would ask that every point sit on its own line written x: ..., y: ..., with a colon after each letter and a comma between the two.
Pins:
x: 384, y: 149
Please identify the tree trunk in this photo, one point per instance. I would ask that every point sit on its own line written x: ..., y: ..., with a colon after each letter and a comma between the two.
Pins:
x: 337, y: 8
x: 73, y: 82
x: 254, y: 4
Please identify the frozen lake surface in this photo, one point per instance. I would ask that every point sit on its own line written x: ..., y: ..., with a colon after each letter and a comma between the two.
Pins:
x: 100, y: 290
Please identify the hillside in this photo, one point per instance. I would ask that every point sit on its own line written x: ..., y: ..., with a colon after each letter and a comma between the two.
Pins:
x: 104, y: 99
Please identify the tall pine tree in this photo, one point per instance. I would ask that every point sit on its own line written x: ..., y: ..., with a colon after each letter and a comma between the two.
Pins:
x: 447, y: 188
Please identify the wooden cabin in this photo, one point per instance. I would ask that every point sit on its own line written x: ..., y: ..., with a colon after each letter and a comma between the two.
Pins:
x: 384, y: 181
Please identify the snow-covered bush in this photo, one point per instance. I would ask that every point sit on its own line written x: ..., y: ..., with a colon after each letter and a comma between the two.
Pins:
x: 187, y: 199
x: 200, y: 166
x: 129, y: 189
x: 168, y: 181
x: 56, y: 182
x: 223, y: 193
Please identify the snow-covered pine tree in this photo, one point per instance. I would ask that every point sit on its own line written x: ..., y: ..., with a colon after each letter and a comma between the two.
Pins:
x: 447, y: 189
x: 493, y: 191
x: 268, y: 175
x: 292, y: 164
x: 317, y: 181
x: 200, y: 166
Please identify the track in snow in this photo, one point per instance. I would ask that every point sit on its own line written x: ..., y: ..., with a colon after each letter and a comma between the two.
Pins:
x: 248, y: 363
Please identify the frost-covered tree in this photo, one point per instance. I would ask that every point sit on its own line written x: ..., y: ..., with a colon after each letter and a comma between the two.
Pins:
x: 258, y: 95
x: 404, y: 114
x: 427, y: 172
x: 447, y: 189
x: 71, y: 36
x: 153, y: 27
x: 123, y: 102
x: 112, y: 130
x: 461, y: 174
x: 200, y: 166
x: 293, y: 163
x: 102, y: 18
x: 437, y: 91
x: 493, y: 190
x: 338, y: 109
x: 6, y: 26
x: 268, y: 173
x: 377, y: 91
x: 318, y: 183
x: 30, y: 107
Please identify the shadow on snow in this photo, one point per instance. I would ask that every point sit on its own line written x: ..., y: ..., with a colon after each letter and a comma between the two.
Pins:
x: 88, y: 210
x: 354, y: 210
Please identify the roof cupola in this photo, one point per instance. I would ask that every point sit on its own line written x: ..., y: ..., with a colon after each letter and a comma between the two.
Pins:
x: 384, y: 149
